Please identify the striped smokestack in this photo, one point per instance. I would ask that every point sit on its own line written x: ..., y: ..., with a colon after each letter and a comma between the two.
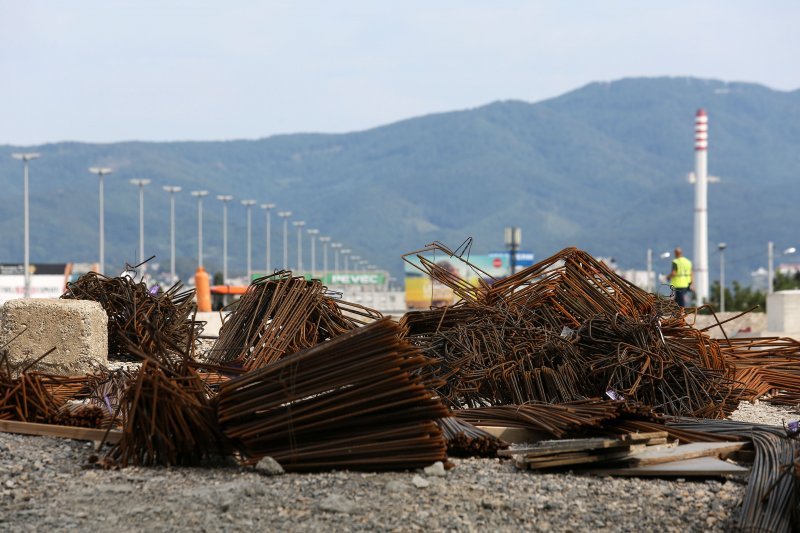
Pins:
x: 701, y: 207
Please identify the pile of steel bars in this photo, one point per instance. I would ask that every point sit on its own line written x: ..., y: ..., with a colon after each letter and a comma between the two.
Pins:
x: 279, y: 315
x: 568, y: 329
x: 357, y: 401
x: 771, y: 501
x: 559, y: 420
x: 465, y: 440
x: 130, y: 305
x: 169, y: 420
x: 769, y: 366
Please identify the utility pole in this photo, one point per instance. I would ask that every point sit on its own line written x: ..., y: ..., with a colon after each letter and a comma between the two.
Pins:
x: 172, y: 190
x: 101, y: 171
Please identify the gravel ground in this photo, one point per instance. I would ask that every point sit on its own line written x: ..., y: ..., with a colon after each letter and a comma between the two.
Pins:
x: 43, y: 485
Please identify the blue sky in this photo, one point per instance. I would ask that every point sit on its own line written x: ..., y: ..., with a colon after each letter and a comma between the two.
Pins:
x: 105, y: 71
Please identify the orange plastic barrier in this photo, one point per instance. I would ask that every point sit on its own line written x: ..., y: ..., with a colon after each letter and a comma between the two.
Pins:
x: 201, y: 282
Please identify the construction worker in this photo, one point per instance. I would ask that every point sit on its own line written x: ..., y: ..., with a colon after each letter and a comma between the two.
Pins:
x: 681, y: 277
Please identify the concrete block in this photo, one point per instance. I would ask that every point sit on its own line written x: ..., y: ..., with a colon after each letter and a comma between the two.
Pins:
x: 78, y: 329
x: 783, y: 311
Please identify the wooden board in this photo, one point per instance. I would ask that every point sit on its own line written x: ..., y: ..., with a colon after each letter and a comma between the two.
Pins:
x: 65, y: 432
x: 697, y: 467
x: 685, y: 451
x: 551, y: 447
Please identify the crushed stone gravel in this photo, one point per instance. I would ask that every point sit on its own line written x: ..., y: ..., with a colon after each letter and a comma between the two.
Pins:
x: 44, y: 484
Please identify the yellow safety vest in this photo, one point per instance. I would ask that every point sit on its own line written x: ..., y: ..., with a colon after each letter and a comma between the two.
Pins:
x: 683, y: 273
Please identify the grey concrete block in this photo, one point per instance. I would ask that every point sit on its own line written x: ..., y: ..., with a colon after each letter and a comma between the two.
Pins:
x: 77, y: 329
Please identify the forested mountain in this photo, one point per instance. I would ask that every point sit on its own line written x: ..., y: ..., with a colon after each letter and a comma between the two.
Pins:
x: 602, y: 168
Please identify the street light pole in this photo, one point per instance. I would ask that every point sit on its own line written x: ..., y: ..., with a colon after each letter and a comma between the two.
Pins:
x: 324, y: 240
x: 650, y: 281
x: 141, y: 183
x: 285, y: 216
x: 313, y: 233
x: 268, y: 259
x: 25, y: 157
x: 299, y: 225
x: 346, y: 253
x: 172, y: 190
x: 199, y: 195
x: 249, y: 205
x: 335, y: 246
x: 101, y: 171
x: 224, y: 198
x: 771, y: 263
x: 721, y: 247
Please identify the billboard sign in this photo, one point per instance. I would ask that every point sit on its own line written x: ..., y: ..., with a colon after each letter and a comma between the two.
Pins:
x: 422, y: 292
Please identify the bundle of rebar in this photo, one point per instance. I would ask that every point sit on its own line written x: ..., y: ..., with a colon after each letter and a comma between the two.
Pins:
x: 26, y: 398
x: 566, y: 329
x: 558, y: 420
x: 130, y: 303
x: 465, y: 440
x: 357, y: 401
x: 169, y: 420
x: 769, y: 366
x: 771, y: 499
x: 279, y: 315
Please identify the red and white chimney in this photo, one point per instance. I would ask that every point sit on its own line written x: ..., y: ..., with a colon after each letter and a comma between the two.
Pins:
x: 700, y: 258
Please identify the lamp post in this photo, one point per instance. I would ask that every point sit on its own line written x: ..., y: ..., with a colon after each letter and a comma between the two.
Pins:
x: 141, y: 183
x: 324, y: 240
x: 172, y: 190
x: 313, y: 233
x: 771, y: 263
x: 199, y: 195
x: 285, y: 216
x: 345, y: 253
x: 721, y: 247
x: 513, y: 239
x: 25, y: 158
x: 224, y: 198
x: 354, y: 259
x: 249, y: 205
x: 101, y: 171
x: 299, y: 225
x: 267, y: 209
x: 651, y: 278
x: 335, y: 246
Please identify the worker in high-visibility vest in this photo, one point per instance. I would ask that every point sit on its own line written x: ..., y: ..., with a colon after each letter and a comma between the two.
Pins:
x: 681, y: 277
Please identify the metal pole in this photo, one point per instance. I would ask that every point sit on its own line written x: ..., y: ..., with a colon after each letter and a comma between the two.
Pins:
x: 650, y: 280
x: 199, y: 195
x: 313, y: 233
x: 268, y: 256
x: 285, y: 216
x: 335, y: 247
x: 26, y: 260
x: 249, y: 205
x: 101, y: 215
x: 299, y: 225
x: 722, y: 279
x: 172, y: 190
x: 225, y: 198
x: 26, y: 216
x: 324, y: 240
x: 141, y: 183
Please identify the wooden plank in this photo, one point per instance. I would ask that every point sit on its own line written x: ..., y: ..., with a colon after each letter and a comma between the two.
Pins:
x: 515, y: 435
x: 685, y: 451
x: 550, y: 447
x: 578, y: 458
x: 65, y: 432
x: 697, y: 467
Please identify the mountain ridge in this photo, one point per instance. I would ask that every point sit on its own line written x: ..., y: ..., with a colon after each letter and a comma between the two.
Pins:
x: 601, y: 167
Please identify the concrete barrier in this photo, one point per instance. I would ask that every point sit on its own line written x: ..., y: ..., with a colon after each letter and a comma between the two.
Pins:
x: 77, y: 329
